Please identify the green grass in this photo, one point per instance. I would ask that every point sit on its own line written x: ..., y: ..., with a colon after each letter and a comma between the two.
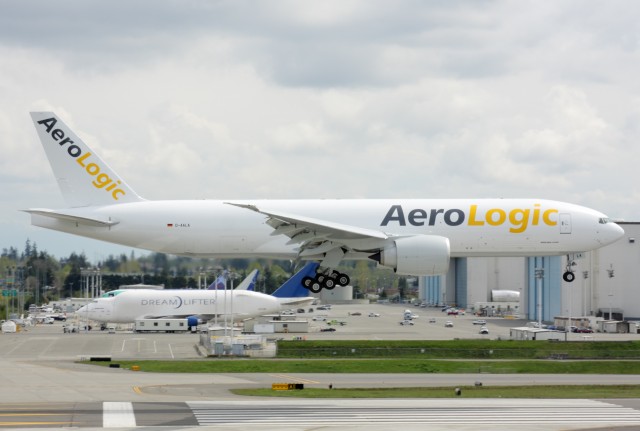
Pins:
x: 384, y: 366
x: 458, y: 349
x: 578, y: 392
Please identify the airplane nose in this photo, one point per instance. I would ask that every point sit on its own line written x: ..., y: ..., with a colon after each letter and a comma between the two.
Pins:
x: 611, y: 233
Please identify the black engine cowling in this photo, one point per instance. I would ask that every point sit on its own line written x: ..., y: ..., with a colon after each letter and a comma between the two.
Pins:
x: 416, y: 255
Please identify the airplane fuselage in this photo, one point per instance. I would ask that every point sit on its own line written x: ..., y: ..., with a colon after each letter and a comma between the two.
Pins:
x: 130, y: 305
x: 474, y: 227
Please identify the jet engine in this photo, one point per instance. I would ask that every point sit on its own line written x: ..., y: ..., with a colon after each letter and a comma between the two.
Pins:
x: 416, y: 255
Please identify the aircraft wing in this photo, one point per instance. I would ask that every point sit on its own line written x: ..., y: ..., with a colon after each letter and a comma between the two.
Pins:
x: 314, y: 235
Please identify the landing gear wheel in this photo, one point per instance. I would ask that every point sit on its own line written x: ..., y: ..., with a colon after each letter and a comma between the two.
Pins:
x: 315, y: 287
x: 568, y: 276
x: 343, y: 279
x: 329, y: 283
x: 306, y: 282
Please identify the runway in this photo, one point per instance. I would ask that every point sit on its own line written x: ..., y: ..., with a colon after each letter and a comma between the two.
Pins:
x: 456, y: 414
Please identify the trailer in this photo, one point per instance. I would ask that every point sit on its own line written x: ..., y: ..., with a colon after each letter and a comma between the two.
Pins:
x: 165, y: 325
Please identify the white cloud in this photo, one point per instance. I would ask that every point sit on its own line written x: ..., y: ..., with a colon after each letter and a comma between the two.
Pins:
x: 331, y: 99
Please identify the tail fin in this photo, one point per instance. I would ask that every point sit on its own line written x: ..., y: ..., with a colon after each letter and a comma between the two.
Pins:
x: 249, y: 283
x: 219, y: 283
x: 83, y: 177
x: 293, y: 287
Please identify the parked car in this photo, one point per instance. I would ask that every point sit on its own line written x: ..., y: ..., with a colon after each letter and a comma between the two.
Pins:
x: 406, y: 322
x: 357, y: 313
x: 448, y: 324
x: 320, y: 318
x: 484, y: 330
x: 479, y: 322
x: 432, y: 320
x: 328, y: 330
x: 374, y: 314
x: 584, y: 330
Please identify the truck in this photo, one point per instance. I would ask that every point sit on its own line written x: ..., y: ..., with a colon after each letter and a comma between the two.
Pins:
x: 165, y: 325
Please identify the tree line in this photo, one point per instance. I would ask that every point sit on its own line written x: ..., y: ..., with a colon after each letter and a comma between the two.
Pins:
x: 42, y: 277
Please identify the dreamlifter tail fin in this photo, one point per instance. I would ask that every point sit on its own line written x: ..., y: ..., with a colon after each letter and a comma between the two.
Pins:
x: 293, y: 288
x: 83, y: 177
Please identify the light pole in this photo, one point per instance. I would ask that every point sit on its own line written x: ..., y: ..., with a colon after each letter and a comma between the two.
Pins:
x: 539, y: 274
x: 585, y: 276
x: 611, y: 274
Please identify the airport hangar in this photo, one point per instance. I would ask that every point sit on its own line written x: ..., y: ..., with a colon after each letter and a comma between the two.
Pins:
x: 607, y: 280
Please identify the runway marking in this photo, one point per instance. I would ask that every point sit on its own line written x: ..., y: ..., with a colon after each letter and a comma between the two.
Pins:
x: 212, y: 413
x: 138, y: 390
x: 294, y: 379
x: 171, y: 351
x: 118, y: 414
x: 11, y: 424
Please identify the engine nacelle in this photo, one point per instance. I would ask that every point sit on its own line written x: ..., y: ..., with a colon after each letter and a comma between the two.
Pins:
x: 416, y: 255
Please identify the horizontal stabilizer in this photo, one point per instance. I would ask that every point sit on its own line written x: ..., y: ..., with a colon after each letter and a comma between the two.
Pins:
x: 83, y: 220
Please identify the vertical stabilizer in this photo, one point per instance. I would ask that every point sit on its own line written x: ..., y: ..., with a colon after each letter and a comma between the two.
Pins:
x: 249, y: 283
x: 293, y: 287
x: 84, y: 178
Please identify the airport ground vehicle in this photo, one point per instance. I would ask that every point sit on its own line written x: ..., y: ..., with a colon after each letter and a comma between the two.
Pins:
x: 406, y: 322
x: 479, y: 322
x: 374, y: 314
x: 448, y: 324
x: 484, y: 330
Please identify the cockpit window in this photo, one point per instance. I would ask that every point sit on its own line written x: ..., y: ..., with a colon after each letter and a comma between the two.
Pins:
x: 112, y: 293
x: 604, y: 220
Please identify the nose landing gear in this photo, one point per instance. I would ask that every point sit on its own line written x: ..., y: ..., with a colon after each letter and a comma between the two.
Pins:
x: 569, y: 274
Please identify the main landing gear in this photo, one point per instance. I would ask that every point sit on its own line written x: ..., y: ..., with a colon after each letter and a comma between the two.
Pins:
x: 327, y: 280
x: 569, y: 274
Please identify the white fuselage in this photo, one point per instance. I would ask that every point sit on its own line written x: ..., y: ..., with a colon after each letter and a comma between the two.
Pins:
x: 130, y: 305
x: 474, y: 227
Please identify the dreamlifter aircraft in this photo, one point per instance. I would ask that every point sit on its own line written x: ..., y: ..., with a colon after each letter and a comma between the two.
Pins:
x: 410, y: 236
x: 241, y: 303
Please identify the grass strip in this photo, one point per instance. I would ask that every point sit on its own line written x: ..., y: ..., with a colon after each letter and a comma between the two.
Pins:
x: 400, y: 366
x: 548, y: 392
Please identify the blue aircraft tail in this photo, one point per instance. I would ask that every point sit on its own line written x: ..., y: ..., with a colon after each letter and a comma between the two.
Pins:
x: 293, y: 287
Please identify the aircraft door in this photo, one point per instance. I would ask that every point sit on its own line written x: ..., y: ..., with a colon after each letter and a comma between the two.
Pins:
x: 565, y: 223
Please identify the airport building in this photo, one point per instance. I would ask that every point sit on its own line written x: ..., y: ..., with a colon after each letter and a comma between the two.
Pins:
x: 607, y: 281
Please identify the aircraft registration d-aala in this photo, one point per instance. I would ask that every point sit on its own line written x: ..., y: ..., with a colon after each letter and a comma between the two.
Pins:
x: 411, y: 236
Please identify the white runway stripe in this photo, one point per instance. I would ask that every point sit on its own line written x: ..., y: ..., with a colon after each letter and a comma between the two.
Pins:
x: 116, y: 415
x: 591, y: 413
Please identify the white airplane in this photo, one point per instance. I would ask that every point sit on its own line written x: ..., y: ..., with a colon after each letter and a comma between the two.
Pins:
x: 125, y: 306
x: 410, y: 236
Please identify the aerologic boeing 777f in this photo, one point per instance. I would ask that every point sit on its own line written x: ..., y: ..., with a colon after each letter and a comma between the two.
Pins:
x: 410, y: 236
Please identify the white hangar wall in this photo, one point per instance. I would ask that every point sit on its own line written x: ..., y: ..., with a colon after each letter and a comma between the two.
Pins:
x: 471, y: 280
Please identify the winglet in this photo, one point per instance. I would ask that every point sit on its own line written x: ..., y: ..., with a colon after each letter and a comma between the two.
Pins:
x: 83, y: 177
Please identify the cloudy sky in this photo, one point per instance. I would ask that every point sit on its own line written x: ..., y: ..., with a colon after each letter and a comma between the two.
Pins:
x: 301, y: 99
